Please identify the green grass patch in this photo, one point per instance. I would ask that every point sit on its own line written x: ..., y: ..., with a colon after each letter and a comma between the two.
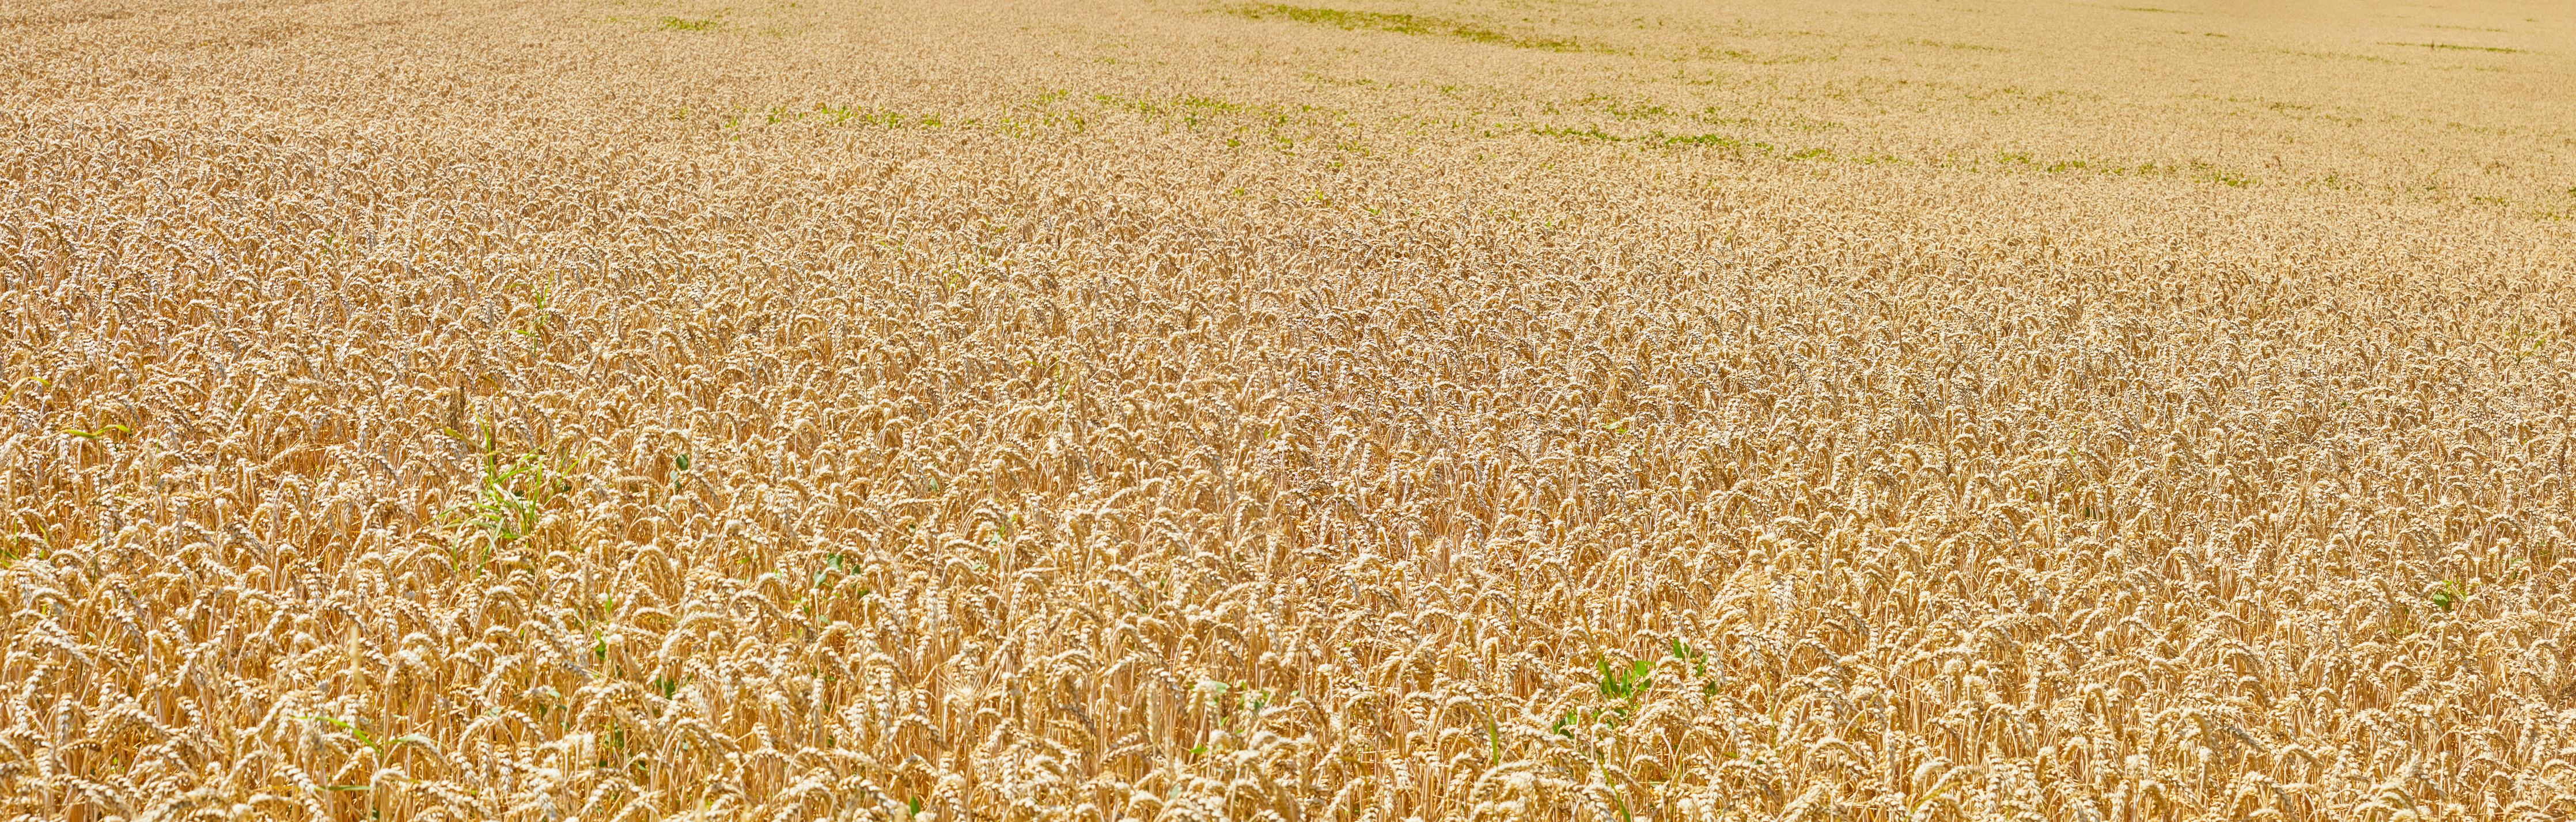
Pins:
x: 1410, y: 24
x: 1626, y: 110
x: 2454, y: 47
x: 1944, y: 44
x: 1716, y: 141
x: 1580, y: 133
x: 2197, y: 170
x: 688, y: 24
x: 1739, y: 147
x: 2336, y: 55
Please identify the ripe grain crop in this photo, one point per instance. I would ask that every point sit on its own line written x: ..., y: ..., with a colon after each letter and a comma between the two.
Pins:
x: 1120, y: 409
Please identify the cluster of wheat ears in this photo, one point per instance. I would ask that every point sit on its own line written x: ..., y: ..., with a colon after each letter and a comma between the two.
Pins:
x: 586, y: 411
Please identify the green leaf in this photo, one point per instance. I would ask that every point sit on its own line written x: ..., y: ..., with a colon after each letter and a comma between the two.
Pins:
x: 1494, y: 736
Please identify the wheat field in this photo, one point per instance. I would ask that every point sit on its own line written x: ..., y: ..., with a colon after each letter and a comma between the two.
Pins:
x: 1340, y: 410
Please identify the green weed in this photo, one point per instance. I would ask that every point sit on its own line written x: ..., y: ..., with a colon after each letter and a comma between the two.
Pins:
x: 1404, y: 24
x: 2453, y: 47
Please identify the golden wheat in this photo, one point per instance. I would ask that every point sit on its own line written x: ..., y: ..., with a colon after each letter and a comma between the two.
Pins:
x: 1128, y: 410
